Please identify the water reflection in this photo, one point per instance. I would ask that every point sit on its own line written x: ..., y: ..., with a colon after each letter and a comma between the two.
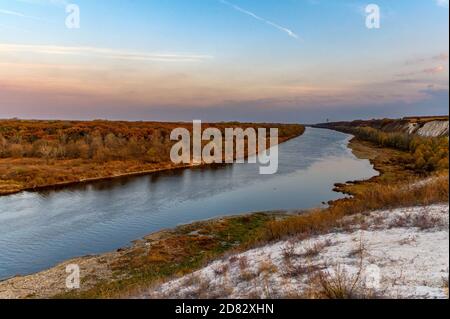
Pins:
x: 38, y: 230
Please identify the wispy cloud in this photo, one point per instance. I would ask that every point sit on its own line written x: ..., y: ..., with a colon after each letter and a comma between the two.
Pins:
x: 251, y: 14
x: 12, y: 13
x: 433, y: 70
x: 17, y: 14
x: 103, y: 53
x: 442, y: 57
x: 431, y: 65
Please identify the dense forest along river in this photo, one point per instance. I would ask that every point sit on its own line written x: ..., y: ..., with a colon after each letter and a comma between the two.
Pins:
x: 40, y: 229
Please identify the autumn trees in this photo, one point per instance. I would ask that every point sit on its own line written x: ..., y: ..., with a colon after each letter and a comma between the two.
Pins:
x: 93, y: 146
x: 425, y: 153
x: 99, y: 141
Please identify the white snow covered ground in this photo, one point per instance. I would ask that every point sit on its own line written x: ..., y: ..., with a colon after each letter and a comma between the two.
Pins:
x: 401, y: 253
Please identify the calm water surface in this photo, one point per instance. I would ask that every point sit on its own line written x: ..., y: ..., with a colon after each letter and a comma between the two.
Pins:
x: 39, y: 230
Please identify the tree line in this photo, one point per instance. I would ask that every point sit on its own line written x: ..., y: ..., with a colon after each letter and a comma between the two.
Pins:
x: 99, y: 140
x: 425, y: 153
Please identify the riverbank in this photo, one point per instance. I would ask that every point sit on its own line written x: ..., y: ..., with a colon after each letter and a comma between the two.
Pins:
x: 373, y: 245
x: 148, y: 260
x: 77, y: 172
x: 42, y: 155
x: 40, y: 230
x: 116, y: 171
x: 401, y: 253
x: 180, y: 251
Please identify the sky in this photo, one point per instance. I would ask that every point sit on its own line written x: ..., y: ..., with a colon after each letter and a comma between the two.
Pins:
x: 218, y: 60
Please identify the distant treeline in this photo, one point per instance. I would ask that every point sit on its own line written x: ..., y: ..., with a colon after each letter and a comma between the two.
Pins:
x: 102, y: 140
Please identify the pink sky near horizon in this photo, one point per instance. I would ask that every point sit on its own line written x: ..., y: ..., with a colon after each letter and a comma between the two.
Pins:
x: 285, y: 79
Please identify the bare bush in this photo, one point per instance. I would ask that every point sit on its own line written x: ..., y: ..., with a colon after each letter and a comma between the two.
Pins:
x: 338, y: 284
x: 315, y: 249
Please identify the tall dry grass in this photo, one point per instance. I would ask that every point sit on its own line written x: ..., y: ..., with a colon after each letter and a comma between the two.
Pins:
x: 411, y: 193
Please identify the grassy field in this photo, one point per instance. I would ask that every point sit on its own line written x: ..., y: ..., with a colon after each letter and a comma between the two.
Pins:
x: 36, y: 154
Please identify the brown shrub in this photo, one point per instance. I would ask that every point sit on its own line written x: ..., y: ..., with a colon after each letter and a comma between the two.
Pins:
x: 338, y: 285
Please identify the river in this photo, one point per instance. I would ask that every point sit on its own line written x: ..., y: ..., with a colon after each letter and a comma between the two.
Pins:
x: 40, y: 229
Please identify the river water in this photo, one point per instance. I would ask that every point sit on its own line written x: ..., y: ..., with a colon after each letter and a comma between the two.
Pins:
x: 40, y: 229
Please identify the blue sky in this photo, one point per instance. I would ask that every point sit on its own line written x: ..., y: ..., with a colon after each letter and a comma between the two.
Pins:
x: 289, y: 60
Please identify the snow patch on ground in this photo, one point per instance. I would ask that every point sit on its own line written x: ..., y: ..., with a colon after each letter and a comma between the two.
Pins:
x: 401, y: 253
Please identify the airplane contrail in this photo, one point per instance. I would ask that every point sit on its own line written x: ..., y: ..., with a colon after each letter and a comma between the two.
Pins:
x: 251, y: 14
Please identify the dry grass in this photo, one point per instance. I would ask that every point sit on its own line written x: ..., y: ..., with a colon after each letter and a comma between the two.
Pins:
x: 243, y: 263
x: 338, y: 284
x: 294, y: 263
x: 445, y: 284
x: 176, y: 253
x: 316, y: 249
x: 423, y: 222
x: 247, y: 275
x: 267, y: 267
x: 289, y: 251
x: 377, y: 197
x: 299, y: 269
x: 221, y: 270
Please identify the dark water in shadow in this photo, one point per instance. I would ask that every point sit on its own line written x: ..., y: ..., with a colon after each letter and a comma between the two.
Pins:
x: 39, y: 230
